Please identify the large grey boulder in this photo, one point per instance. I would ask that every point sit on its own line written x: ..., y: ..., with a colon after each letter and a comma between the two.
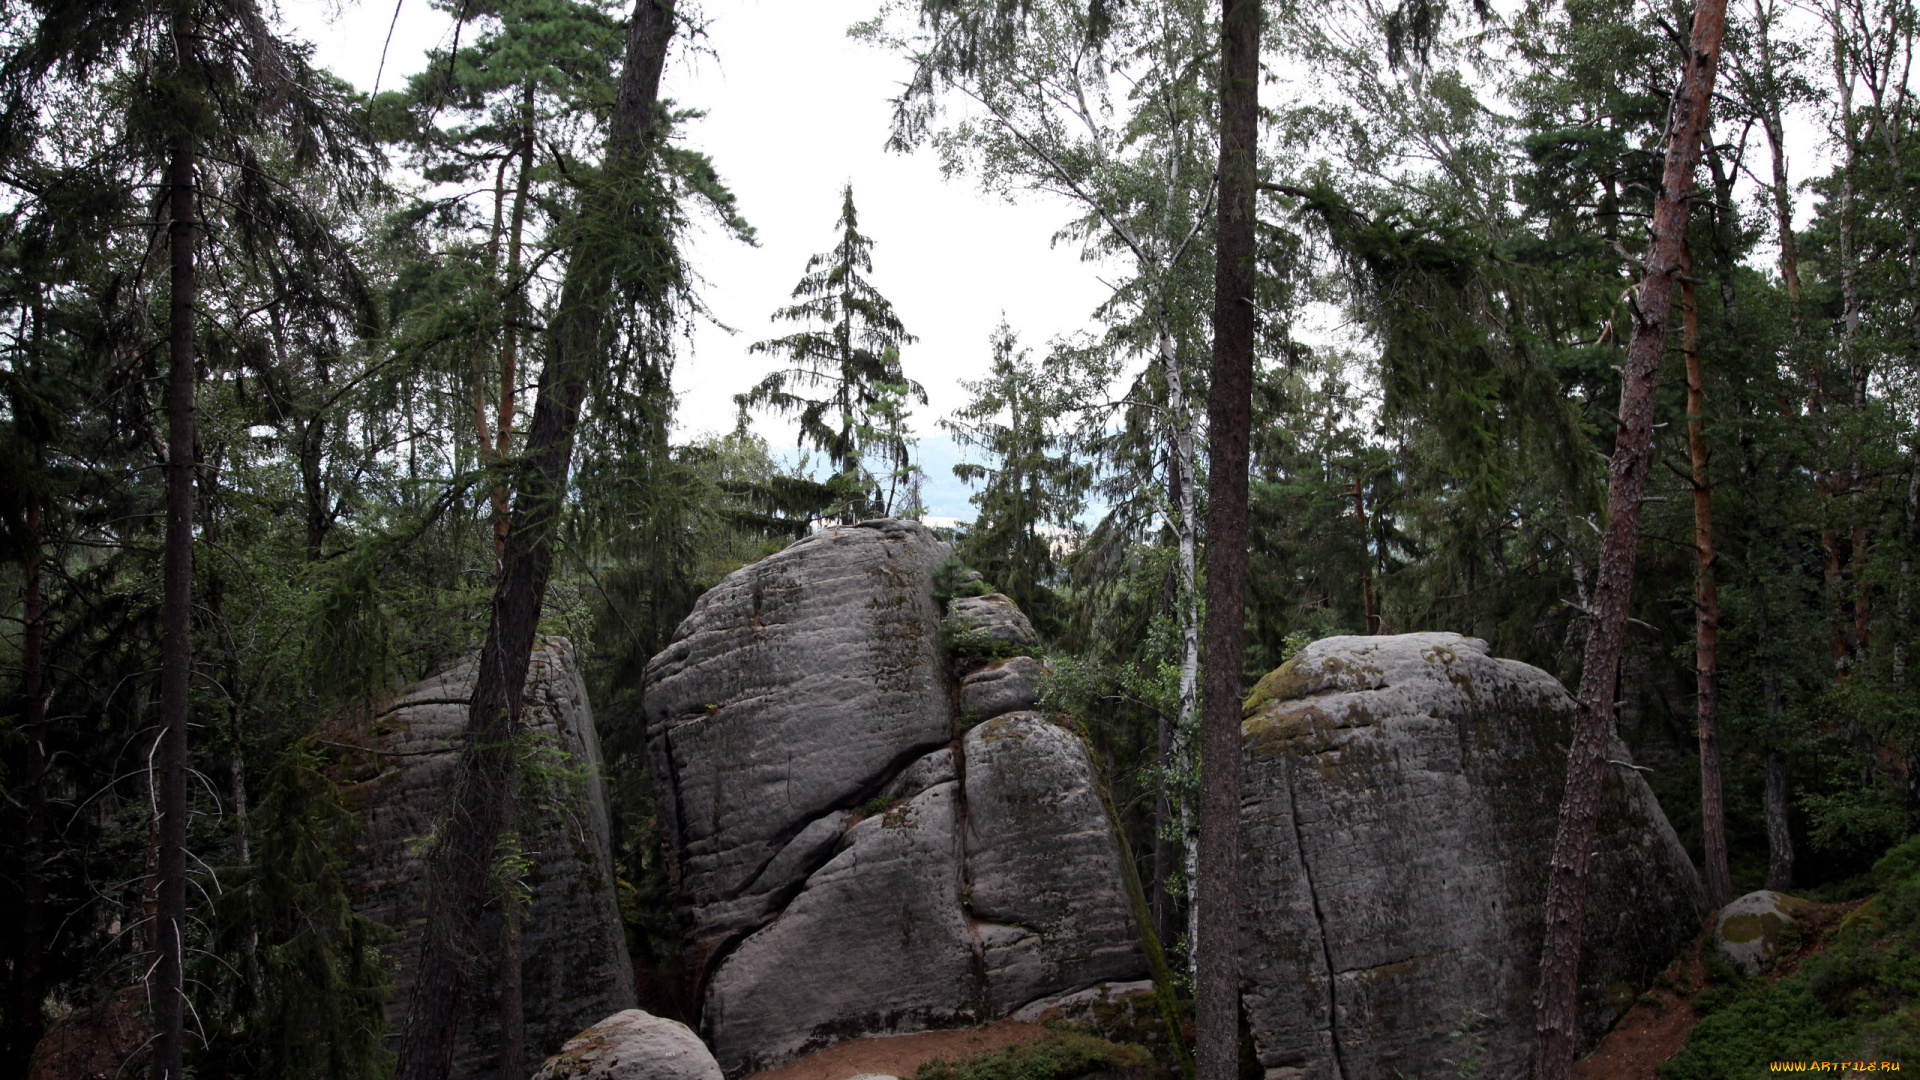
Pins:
x: 797, y: 687
x: 1047, y: 899
x: 1751, y: 931
x: 632, y: 1045
x: 994, y: 617
x: 1000, y: 687
x: 574, y: 964
x: 848, y: 864
x: 1401, y: 797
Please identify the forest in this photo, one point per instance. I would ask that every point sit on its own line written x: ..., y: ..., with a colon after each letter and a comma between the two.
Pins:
x: 1513, y: 320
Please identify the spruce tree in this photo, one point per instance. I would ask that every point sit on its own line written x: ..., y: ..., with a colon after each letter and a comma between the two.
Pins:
x: 846, y: 385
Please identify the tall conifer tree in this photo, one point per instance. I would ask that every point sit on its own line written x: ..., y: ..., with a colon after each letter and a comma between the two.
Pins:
x: 846, y: 384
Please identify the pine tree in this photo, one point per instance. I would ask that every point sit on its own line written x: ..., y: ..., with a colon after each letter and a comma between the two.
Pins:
x: 850, y: 357
x: 1037, y: 479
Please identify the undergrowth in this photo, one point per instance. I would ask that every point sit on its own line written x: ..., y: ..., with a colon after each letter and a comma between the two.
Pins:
x: 1058, y: 1055
x: 1856, y: 1000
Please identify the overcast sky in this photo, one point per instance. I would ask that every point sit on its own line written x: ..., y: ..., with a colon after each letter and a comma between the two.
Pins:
x: 794, y: 111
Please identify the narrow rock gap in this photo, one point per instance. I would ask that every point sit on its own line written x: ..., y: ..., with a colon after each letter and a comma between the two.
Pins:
x: 1320, y: 919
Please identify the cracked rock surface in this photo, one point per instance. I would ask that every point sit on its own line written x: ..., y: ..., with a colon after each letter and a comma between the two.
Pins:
x: 1400, y: 801
x: 848, y: 865
x: 796, y: 688
x: 574, y: 965
x: 1001, y: 687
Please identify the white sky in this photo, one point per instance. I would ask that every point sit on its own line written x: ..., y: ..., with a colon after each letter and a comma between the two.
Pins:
x: 795, y: 110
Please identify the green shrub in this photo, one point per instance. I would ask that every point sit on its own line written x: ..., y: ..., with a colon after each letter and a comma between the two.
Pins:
x: 1857, y: 999
x: 1058, y: 1055
x: 964, y: 641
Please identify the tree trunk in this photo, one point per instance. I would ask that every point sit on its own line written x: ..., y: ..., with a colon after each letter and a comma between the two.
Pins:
x: 1613, y: 588
x: 1713, y: 819
x: 459, y: 868
x: 1230, y: 421
x: 1166, y: 854
x: 167, y: 987
x: 1180, y: 477
x: 510, y: 333
x: 1779, y: 838
x: 513, y: 1014
x: 1369, y: 618
x: 30, y: 978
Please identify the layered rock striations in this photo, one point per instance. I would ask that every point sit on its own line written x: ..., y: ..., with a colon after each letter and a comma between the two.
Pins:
x: 848, y: 863
x: 574, y: 964
x: 1401, y: 797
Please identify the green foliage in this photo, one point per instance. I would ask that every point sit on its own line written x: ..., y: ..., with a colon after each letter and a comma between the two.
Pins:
x: 964, y: 641
x: 1856, y: 999
x: 956, y: 578
x: 850, y: 361
x: 1034, y: 484
x: 1058, y: 1055
x: 307, y: 979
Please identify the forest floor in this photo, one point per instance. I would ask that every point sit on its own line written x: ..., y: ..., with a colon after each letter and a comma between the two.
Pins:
x: 902, y: 1055
x: 1657, y: 1026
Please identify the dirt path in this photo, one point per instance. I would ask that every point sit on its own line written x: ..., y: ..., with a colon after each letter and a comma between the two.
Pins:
x: 1652, y: 1031
x: 900, y: 1055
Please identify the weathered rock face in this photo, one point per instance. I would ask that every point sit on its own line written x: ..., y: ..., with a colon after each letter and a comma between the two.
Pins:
x: 1000, y: 687
x: 994, y: 616
x: 1750, y: 930
x: 797, y: 687
x: 1401, y: 796
x: 1047, y: 897
x: 574, y: 967
x: 850, y: 866
x: 632, y: 1045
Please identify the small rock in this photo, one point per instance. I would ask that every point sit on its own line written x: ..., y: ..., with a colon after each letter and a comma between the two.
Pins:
x: 995, y: 615
x: 632, y: 1045
x: 1749, y: 931
x: 1001, y: 687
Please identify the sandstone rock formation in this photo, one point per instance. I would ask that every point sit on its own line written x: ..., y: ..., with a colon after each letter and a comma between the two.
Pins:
x: 1001, y: 687
x: 994, y: 616
x: 797, y: 688
x: 1750, y: 930
x: 575, y: 968
x: 1401, y: 796
x: 1047, y: 900
x: 849, y: 866
x: 632, y: 1045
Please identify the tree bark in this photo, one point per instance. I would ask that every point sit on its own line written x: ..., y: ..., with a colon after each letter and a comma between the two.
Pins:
x: 1229, y: 420
x: 459, y: 869
x: 1713, y: 818
x: 515, y: 311
x: 513, y: 1015
x: 1779, y: 838
x: 1181, y: 478
x: 167, y: 987
x: 1557, y: 1023
x: 1166, y: 853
